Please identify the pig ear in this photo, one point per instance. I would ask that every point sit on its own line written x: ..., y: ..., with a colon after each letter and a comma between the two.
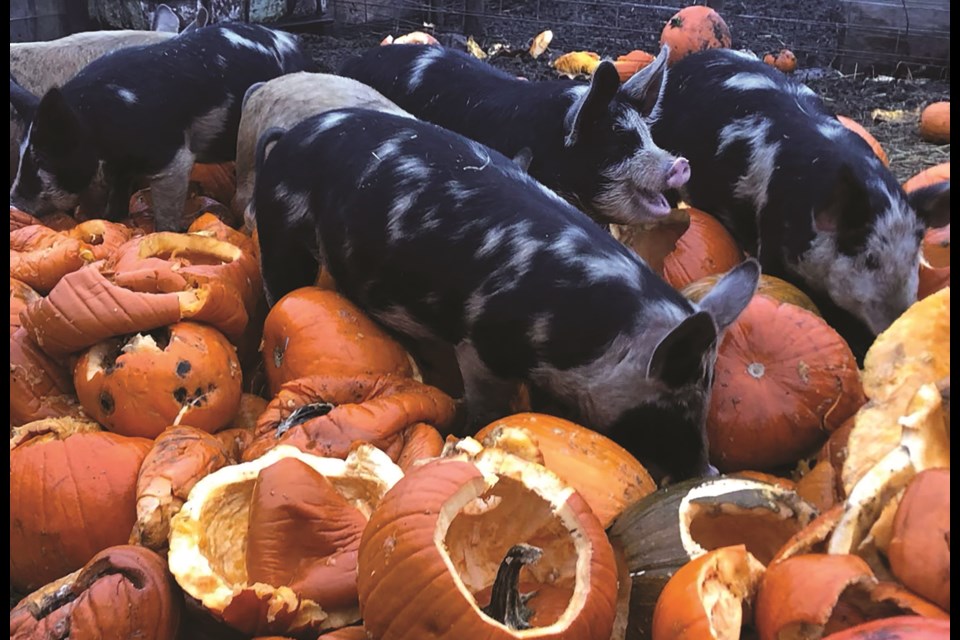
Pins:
x: 165, y: 20
x: 731, y: 295
x: 845, y: 211
x: 593, y: 103
x: 932, y: 204
x: 56, y: 128
x: 24, y: 103
x: 523, y: 158
x: 678, y: 359
x: 645, y: 87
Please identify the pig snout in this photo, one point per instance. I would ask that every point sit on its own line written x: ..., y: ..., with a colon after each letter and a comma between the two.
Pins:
x: 678, y: 173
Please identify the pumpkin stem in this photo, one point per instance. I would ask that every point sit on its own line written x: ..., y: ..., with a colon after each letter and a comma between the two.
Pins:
x: 507, y: 606
x: 303, y: 413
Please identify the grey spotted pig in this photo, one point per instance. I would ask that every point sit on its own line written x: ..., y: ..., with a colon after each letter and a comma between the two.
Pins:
x: 590, y: 143
x: 285, y: 101
x: 442, y: 239
x: 797, y: 189
x: 146, y: 112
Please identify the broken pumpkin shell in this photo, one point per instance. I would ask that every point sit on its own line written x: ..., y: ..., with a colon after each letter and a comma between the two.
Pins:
x: 606, y: 475
x: 918, y: 342
x: 122, y: 592
x: 665, y: 530
x: 217, y: 180
x: 923, y: 443
x: 577, y: 63
x: 179, y: 458
x: 20, y: 219
x: 899, y: 627
x: 40, y: 387
x: 139, y: 385
x: 86, y: 307
x: 325, y: 415
x: 813, y: 537
x: 919, y: 550
x: 654, y: 241
x: 72, y: 494
x: 167, y: 262
x: 267, y: 546
x: 21, y: 294
x: 783, y: 380
x: 40, y: 256
x: 815, y: 595
x: 315, y: 331
x: 458, y: 531
x: 706, y: 597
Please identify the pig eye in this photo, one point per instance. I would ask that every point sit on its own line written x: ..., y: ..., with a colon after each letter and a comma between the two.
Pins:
x: 872, y: 262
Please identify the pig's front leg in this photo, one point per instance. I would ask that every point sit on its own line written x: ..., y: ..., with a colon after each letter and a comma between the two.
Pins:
x: 488, y: 397
x: 118, y: 187
x: 168, y: 189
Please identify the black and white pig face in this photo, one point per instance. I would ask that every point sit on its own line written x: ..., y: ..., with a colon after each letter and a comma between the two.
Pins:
x: 666, y: 427
x: 867, y: 249
x: 57, y: 159
x: 608, y: 127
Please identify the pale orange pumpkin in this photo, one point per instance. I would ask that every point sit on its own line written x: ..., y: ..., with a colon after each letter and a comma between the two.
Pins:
x: 857, y: 128
x: 705, y: 248
x: 935, y: 122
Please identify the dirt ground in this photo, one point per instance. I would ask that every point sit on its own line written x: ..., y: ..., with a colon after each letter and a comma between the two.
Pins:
x: 810, y: 28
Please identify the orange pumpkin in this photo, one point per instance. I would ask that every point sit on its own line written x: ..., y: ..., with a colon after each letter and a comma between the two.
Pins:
x: 215, y: 180
x: 20, y: 219
x: 315, y: 331
x: 629, y: 64
x: 705, y: 598
x: 783, y: 381
x: 784, y: 60
x: 706, y: 248
x: 858, y: 129
x: 898, y: 627
x: 935, y: 265
x: 770, y: 286
x: 604, y: 473
x: 931, y: 175
x: 122, y: 592
x: 139, y: 385
x: 445, y: 548
x: 919, y: 550
x: 694, y: 28
x: 935, y: 123
x: 72, y: 494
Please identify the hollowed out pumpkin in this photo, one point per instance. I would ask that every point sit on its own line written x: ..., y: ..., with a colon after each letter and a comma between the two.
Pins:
x: 454, y: 543
x: 270, y: 546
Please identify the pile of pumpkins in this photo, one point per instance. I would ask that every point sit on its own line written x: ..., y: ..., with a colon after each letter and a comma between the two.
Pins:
x: 186, y: 464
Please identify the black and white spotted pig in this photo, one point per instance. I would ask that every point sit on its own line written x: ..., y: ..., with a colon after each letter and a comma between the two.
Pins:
x: 147, y: 112
x: 443, y: 239
x: 590, y: 143
x: 38, y: 66
x: 797, y: 189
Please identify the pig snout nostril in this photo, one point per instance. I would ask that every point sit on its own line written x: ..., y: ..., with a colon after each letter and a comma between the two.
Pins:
x: 678, y: 174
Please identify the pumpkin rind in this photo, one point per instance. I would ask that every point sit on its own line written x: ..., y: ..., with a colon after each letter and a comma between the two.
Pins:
x: 900, y: 627
x: 858, y: 129
x: 931, y: 175
x: 935, y: 122
x: 704, y: 249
